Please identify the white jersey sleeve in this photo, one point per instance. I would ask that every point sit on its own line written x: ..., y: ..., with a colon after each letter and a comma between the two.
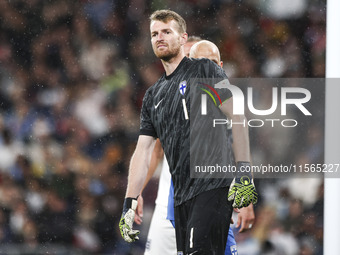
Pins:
x: 164, y: 184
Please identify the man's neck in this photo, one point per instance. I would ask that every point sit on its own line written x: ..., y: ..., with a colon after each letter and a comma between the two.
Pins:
x: 171, y: 65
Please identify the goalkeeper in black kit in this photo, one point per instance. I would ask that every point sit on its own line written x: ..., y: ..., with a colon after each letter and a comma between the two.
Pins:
x: 203, y: 206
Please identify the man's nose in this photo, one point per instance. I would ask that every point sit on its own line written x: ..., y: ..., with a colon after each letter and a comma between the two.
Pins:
x: 160, y: 37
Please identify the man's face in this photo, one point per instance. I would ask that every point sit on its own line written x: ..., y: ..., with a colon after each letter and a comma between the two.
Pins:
x: 165, y: 39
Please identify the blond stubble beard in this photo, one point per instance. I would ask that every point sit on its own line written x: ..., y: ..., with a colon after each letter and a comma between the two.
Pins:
x: 168, y: 54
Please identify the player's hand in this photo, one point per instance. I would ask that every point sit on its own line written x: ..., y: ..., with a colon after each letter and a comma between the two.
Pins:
x: 242, y: 189
x: 126, y: 221
x: 139, y: 210
x: 245, y: 218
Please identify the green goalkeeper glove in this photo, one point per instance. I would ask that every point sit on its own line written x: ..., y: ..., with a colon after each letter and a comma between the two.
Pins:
x: 126, y: 220
x: 242, y: 189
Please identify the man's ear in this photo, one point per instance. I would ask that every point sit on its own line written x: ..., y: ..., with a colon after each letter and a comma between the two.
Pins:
x: 184, y: 38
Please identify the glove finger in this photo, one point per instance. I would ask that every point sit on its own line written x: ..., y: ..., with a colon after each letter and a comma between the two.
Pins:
x: 235, y: 204
x: 251, y: 198
x: 242, y: 202
x: 123, y: 229
x: 133, y: 234
x: 231, y: 196
x: 125, y: 234
x: 237, y: 200
x: 246, y: 201
x: 232, y: 190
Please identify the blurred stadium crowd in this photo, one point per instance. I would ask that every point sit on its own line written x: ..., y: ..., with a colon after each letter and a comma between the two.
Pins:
x: 72, y: 78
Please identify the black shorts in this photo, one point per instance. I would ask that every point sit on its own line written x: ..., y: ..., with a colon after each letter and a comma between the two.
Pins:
x: 202, y: 223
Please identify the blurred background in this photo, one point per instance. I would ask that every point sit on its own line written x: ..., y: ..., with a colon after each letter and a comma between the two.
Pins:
x: 72, y: 78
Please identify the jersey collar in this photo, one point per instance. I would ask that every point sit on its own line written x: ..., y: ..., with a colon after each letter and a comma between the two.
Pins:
x: 176, y: 70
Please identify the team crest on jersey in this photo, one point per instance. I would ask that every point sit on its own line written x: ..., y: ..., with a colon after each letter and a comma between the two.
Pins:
x: 233, y: 250
x: 182, y: 87
x: 180, y: 253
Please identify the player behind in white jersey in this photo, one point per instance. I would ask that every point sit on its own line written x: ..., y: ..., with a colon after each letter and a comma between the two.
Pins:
x: 161, y: 237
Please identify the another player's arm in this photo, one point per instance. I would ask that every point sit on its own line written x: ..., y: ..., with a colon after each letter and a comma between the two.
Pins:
x: 242, y: 189
x: 157, y: 156
x: 139, y: 166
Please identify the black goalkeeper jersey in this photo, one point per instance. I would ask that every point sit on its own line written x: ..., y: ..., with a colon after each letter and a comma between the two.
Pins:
x: 166, y: 114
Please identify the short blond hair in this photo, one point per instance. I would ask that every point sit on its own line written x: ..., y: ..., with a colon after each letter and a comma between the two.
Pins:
x: 167, y: 15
